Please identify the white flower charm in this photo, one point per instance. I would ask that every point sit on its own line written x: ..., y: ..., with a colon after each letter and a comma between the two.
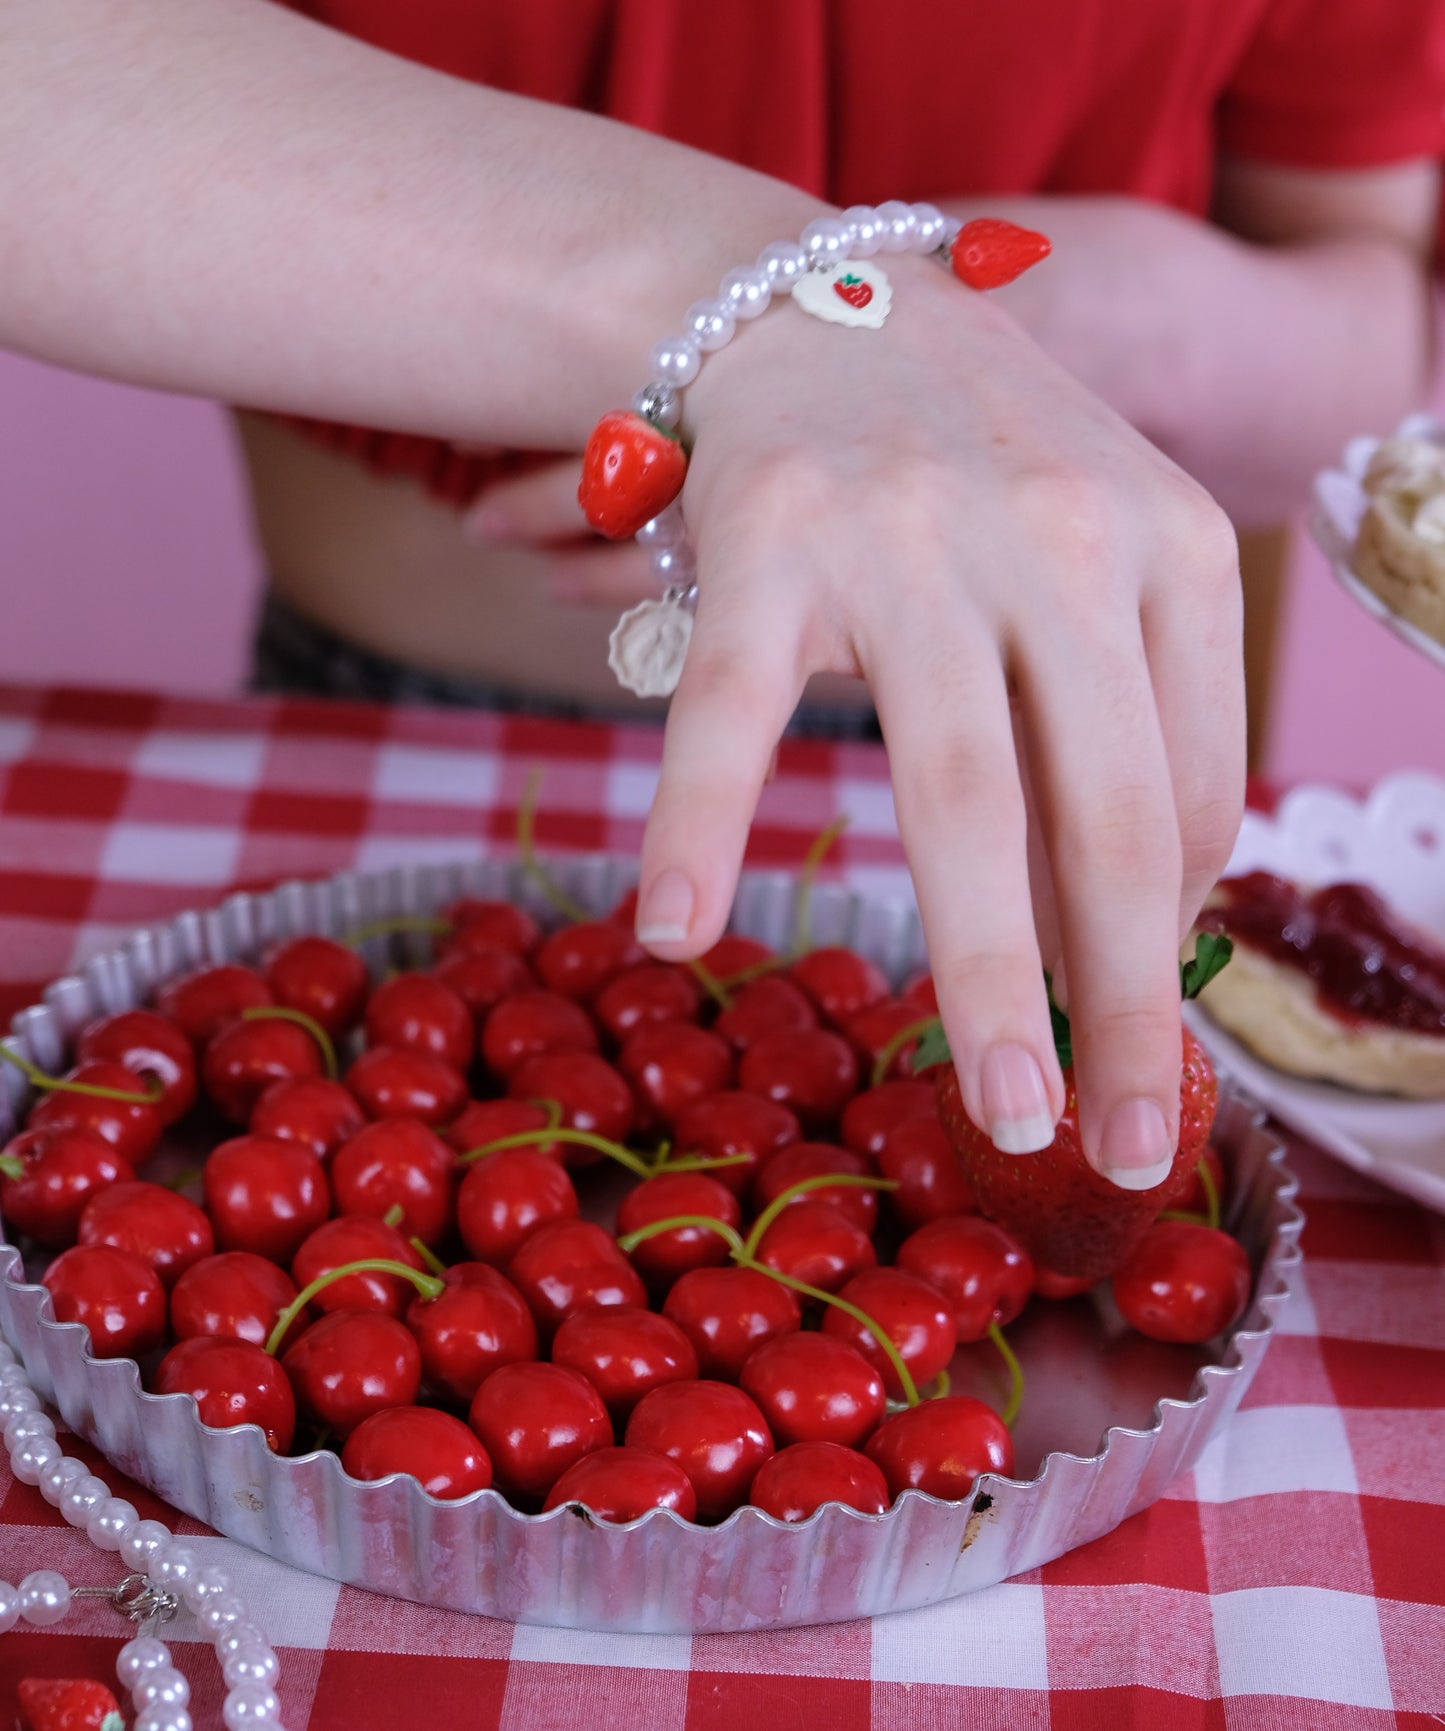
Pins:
x: 852, y: 292
x: 649, y: 645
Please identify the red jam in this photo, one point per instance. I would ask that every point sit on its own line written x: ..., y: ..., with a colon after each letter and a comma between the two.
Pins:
x: 1366, y: 965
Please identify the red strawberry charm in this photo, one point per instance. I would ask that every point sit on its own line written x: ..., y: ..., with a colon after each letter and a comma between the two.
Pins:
x: 68, y: 1704
x: 631, y: 470
x: 989, y: 252
x: 852, y: 289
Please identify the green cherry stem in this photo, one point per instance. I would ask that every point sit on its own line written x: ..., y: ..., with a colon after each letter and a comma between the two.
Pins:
x: 11, y: 1166
x: 710, y: 983
x: 433, y: 928
x: 1211, y: 1194
x: 753, y: 971
x: 820, y: 1181
x: 38, y: 1078
x: 807, y: 877
x: 572, y: 1138
x: 668, y: 1162
x: 429, y: 1257
x: 891, y: 1049
x: 394, y: 1215
x: 280, y: 1013
x: 527, y: 852
x: 1015, y: 1372
x: 701, y: 1223
x: 426, y: 1284
x: 895, y: 1358
x: 553, y: 1110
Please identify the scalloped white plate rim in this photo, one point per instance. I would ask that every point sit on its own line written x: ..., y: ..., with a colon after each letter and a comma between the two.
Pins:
x: 1340, y: 504
x: 1394, y: 841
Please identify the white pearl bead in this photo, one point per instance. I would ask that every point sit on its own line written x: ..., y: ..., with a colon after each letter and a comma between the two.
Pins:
x: 666, y: 529
x: 204, y: 1585
x: 25, y: 1425
x: 244, y: 1706
x: 12, y: 1374
x: 111, y: 1522
x: 928, y: 226
x: 785, y: 262
x: 174, y: 1566
x: 58, y: 1475
x: 32, y: 1457
x: 710, y: 324
x: 237, y: 1638
x: 145, y: 1540
x: 865, y: 229
x: 898, y: 225
x: 676, y: 360
x: 255, y: 1664
x: 746, y: 291
x: 826, y: 240
x: 140, y: 1656
x: 161, y: 1718
x: 83, y: 1496
x: 18, y: 1398
x: 44, y: 1598
x: 674, y: 564
x: 162, y: 1687
x: 658, y: 402
x: 9, y: 1606
x: 220, y: 1613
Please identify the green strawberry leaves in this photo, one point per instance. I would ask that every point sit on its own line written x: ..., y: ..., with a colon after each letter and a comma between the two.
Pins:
x: 1212, y: 951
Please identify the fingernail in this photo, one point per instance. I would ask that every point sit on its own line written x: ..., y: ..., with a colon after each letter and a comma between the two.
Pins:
x: 488, y: 524
x: 1015, y: 1101
x: 1136, y: 1152
x: 665, y: 909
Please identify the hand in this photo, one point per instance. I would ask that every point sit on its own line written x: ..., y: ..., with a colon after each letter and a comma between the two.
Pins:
x: 939, y: 508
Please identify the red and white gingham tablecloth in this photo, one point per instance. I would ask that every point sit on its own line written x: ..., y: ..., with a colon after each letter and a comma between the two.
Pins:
x: 1295, y: 1579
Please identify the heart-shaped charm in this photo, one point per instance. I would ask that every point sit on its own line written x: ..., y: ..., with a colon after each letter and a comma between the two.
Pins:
x: 854, y: 293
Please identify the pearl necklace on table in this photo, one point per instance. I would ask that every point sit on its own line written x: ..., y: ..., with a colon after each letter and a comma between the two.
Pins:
x: 166, y: 1574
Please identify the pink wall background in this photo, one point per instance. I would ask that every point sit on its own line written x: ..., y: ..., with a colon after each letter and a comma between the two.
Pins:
x: 126, y: 560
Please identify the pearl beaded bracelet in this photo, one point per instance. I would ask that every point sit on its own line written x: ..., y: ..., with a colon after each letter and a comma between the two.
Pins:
x: 634, y: 465
x: 166, y: 1573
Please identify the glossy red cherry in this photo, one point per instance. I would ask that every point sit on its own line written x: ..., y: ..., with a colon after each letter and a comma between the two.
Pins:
x: 482, y: 1122
x: 264, y: 1195
x: 235, y: 1294
x: 797, y: 1481
x: 323, y: 979
x: 982, y: 1271
x: 247, y: 1058
x: 817, y: 1243
x: 356, y: 1238
x: 432, y: 1446
x: 661, y: 1260
x: 351, y: 1364
x: 713, y: 1431
x: 920, y: 1160
x: 478, y: 921
x: 803, y: 1160
x: 1047, y: 1284
x: 669, y: 1065
x: 623, y: 1484
x: 812, y: 1072
x: 478, y: 1323
x: 727, y: 1312
x: 624, y: 913
x: 60, y: 1170
x: 154, y: 1223
x: 645, y: 997
x: 569, y: 1263
x: 115, y: 1294
x: 482, y: 977
x: 531, y: 1022
x: 505, y: 1197
x: 417, y: 1013
x: 734, y: 954
x: 909, y: 1311
x: 151, y: 1047
x: 881, y: 1028
x: 730, y: 1123
x: 591, y: 1094
x: 232, y: 1382
x: 578, y: 960
x: 840, y: 983
x: 1184, y: 1283
x: 813, y: 1388
x: 941, y: 1446
x: 920, y: 992
x: 397, y: 1163
x: 392, y: 1083
x: 318, y: 1113
x: 624, y: 1352
x: 132, y: 1127
x: 205, y: 1001
x: 763, y: 1008
x: 535, y: 1421
x: 870, y: 1118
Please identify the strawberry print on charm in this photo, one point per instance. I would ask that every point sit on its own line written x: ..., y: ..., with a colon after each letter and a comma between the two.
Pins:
x: 855, y: 292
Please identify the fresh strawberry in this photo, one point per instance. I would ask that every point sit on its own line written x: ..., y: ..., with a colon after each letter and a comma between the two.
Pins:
x: 989, y: 252
x: 853, y: 289
x: 68, y: 1704
x: 631, y: 470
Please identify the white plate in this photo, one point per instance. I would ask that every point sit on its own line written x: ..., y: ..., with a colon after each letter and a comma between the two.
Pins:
x: 1395, y: 843
x: 1340, y: 503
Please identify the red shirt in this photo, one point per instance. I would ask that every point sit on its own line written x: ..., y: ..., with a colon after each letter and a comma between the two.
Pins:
x: 863, y: 100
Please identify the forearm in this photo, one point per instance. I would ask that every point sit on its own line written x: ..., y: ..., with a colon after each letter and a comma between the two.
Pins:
x: 1250, y: 365
x: 228, y: 200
